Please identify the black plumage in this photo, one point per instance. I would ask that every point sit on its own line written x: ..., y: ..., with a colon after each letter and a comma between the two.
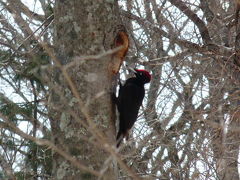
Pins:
x: 129, y: 100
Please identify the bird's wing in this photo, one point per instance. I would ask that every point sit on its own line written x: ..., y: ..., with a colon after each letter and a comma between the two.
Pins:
x: 130, y: 100
x: 131, y: 94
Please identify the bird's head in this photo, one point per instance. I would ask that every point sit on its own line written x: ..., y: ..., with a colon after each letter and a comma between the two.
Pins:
x: 142, y: 74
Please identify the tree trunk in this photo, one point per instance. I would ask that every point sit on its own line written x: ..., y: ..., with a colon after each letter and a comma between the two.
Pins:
x: 85, y: 122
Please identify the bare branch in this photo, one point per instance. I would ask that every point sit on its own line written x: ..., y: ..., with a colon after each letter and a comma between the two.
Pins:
x: 199, y: 23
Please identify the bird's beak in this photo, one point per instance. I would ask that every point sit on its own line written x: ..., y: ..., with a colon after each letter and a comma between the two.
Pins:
x: 132, y: 69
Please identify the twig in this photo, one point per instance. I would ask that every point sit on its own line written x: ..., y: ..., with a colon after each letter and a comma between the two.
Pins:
x: 43, y: 142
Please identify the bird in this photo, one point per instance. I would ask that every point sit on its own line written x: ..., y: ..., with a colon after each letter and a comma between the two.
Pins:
x: 129, y: 100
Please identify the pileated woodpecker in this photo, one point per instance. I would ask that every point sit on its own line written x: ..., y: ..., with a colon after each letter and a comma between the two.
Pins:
x: 129, y: 100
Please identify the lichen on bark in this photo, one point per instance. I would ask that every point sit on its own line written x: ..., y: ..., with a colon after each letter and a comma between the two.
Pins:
x: 83, y: 28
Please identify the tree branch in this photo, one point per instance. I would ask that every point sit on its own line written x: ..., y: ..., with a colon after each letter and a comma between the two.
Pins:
x: 208, y: 48
x: 43, y: 142
x: 196, y: 20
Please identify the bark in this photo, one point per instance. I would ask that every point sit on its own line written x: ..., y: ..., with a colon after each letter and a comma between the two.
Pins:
x: 83, y: 124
